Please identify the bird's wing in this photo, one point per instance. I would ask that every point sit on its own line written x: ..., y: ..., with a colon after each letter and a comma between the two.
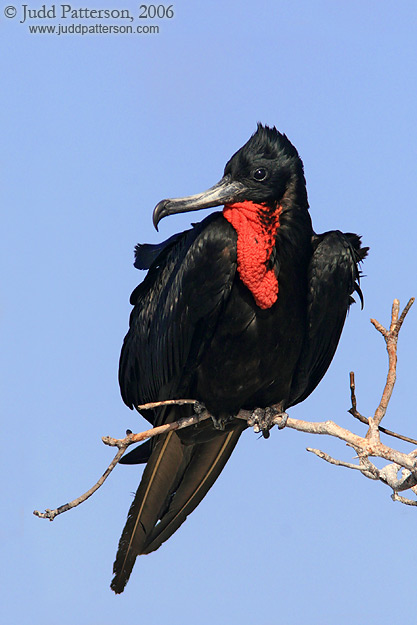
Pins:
x: 174, y: 316
x: 333, y: 277
x: 175, y: 311
x: 147, y: 253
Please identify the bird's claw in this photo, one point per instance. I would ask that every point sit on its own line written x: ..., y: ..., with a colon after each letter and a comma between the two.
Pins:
x: 254, y: 421
x: 199, y: 408
x: 262, y: 420
x: 220, y: 423
x: 283, y: 417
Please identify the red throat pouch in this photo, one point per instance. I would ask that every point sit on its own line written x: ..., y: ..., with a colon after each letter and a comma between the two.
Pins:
x: 256, y: 226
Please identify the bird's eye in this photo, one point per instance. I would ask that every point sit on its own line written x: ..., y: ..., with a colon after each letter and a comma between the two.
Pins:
x: 260, y: 174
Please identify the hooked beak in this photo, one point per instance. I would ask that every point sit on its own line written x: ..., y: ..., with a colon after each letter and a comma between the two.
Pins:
x: 226, y: 191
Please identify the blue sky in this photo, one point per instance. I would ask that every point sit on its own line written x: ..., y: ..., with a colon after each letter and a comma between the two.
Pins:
x: 96, y: 129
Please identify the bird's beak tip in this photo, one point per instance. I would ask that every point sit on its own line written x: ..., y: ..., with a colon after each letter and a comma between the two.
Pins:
x: 222, y: 192
x: 159, y: 213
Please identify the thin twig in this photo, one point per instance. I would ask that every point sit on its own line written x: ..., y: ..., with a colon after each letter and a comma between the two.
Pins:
x: 408, y: 502
x: 355, y: 413
x: 331, y: 460
x: 391, y: 338
x: 401, y: 437
x: 353, y: 410
x: 122, y: 445
x: 404, y: 314
x: 130, y: 439
x: 166, y: 402
x: 51, y: 514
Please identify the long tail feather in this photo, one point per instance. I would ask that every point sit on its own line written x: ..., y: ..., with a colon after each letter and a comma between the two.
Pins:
x: 207, y: 462
x: 175, y: 480
x: 157, y: 480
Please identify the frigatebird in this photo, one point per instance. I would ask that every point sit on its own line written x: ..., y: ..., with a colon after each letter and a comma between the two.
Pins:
x: 243, y: 310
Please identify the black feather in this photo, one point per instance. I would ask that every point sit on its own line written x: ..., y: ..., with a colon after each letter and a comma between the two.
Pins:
x: 146, y: 254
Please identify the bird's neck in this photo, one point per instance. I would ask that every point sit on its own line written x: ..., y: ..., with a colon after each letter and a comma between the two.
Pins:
x: 256, y: 226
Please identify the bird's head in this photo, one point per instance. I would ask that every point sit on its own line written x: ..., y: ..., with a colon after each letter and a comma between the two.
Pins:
x: 266, y: 171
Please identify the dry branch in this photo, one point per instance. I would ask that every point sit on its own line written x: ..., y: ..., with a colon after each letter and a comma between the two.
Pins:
x: 365, y: 447
x: 354, y: 412
x: 123, y: 444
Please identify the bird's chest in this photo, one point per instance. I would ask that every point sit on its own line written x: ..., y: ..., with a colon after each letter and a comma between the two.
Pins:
x: 253, y: 353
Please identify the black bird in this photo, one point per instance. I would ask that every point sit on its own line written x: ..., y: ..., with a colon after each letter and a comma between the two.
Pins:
x: 244, y: 310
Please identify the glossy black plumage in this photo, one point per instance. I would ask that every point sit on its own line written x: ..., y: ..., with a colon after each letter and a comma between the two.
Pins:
x: 197, y: 332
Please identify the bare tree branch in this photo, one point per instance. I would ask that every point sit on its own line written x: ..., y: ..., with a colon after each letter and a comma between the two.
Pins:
x: 130, y: 439
x: 391, y: 338
x: 365, y: 447
x: 339, y: 463
x: 123, y: 444
x: 408, y: 502
x: 51, y: 514
x: 354, y: 412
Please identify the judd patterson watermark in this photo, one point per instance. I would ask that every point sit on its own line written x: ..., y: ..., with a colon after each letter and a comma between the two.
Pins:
x: 67, y: 13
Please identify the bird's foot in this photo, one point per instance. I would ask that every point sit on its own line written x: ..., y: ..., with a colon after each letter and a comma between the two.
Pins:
x: 221, y: 421
x: 199, y: 408
x: 262, y: 420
